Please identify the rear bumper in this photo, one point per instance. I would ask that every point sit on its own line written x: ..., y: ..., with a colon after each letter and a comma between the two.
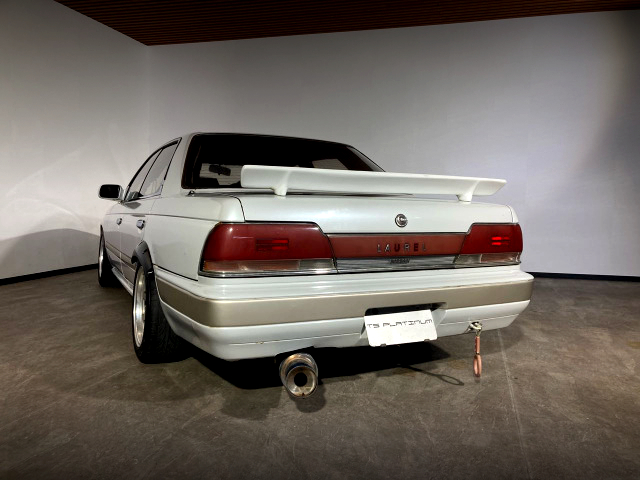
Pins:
x: 234, y: 320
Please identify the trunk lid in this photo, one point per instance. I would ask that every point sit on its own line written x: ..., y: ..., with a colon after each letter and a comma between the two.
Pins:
x: 373, y: 214
x: 365, y: 235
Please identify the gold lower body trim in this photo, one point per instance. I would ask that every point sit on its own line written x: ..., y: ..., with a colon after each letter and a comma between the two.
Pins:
x: 246, y: 312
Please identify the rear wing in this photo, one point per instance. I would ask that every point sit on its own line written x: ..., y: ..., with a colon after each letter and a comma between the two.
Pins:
x: 283, y: 179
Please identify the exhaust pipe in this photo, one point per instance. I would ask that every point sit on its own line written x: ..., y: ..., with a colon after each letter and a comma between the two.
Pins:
x: 299, y: 375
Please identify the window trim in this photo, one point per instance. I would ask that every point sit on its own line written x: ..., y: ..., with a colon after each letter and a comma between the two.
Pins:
x: 175, y: 141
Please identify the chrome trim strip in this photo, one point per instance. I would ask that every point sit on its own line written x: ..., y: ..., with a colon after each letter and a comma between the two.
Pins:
x: 112, y: 248
x: 126, y: 260
x: 352, y: 265
x: 269, y: 273
x: 265, y: 311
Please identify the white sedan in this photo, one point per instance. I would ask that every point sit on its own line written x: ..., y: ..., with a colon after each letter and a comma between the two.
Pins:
x: 253, y: 246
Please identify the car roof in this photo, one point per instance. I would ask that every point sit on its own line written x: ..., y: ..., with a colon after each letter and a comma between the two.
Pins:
x: 261, y: 135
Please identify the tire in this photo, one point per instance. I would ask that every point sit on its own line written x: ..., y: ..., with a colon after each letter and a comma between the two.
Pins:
x: 106, y: 278
x: 153, y: 339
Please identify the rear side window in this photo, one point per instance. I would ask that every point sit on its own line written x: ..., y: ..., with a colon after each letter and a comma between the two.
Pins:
x: 155, y: 178
x: 216, y: 160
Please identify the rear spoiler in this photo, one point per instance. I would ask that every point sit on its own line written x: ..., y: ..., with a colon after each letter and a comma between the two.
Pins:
x: 283, y: 179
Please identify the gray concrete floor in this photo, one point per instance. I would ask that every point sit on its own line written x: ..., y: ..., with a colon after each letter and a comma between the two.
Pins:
x: 559, y: 397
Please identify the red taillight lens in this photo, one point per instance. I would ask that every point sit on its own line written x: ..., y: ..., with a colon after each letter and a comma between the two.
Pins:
x: 272, y: 244
x: 492, y: 239
x: 491, y: 243
x: 267, y: 248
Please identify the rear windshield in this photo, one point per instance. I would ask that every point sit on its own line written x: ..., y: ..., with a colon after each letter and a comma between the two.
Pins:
x: 215, y: 161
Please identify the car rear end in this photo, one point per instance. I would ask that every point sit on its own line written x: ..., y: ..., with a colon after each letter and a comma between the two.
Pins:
x: 271, y: 286
x: 320, y: 269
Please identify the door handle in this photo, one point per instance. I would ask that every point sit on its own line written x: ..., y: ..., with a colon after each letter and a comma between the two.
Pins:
x: 140, y: 224
x: 119, y: 221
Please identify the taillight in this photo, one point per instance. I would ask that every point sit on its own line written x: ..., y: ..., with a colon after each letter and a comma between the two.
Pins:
x: 491, y: 244
x: 267, y: 249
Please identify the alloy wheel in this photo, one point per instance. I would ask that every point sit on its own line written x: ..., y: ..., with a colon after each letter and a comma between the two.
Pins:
x: 139, y: 307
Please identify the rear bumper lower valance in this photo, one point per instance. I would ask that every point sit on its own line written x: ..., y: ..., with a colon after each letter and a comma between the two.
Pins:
x: 265, y: 311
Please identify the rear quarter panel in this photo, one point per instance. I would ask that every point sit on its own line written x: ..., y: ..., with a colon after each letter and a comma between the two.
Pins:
x: 178, y: 226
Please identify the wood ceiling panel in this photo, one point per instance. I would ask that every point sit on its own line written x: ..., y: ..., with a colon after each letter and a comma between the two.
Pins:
x: 161, y: 22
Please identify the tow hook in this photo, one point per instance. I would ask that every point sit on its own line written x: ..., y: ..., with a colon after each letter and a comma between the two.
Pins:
x: 477, y: 359
x: 299, y: 375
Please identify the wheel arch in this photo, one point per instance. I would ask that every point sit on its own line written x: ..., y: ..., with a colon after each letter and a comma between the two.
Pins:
x: 142, y: 256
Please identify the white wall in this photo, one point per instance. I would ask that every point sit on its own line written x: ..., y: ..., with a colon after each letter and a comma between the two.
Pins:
x: 550, y: 103
x: 73, y: 114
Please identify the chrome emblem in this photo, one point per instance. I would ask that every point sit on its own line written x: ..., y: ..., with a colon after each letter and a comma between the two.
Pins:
x: 401, y: 220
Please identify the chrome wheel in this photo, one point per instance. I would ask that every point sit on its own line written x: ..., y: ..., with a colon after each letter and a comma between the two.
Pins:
x: 101, y: 256
x: 139, y: 307
x: 153, y: 339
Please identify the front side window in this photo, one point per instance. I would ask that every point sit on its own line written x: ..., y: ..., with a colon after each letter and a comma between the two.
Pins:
x: 152, y: 185
x: 216, y: 160
x: 134, y: 187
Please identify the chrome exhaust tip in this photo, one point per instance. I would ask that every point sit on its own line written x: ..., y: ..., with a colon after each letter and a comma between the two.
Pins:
x: 299, y: 375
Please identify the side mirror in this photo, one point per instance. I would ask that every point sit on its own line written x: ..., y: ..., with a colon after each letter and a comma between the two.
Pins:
x: 110, y: 192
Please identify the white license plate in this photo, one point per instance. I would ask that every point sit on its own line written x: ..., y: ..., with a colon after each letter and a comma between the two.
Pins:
x: 403, y: 327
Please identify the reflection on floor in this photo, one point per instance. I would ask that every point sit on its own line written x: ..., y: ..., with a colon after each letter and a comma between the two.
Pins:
x: 559, y: 397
